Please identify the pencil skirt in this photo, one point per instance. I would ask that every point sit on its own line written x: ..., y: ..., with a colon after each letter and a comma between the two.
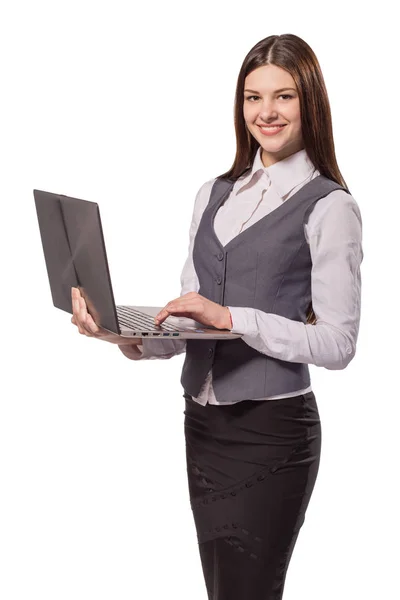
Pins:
x: 251, y: 470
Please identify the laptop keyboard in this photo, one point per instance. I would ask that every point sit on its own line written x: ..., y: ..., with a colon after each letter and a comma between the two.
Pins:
x: 129, y: 317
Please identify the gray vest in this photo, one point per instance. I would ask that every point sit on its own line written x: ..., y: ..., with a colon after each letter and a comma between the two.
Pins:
x: 267, y: 266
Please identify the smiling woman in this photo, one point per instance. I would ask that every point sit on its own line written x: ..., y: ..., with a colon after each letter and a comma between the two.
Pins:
x: 304, y: 309
x: 274, y: 255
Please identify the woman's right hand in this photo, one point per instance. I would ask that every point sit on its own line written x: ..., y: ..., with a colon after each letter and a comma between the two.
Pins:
x: 86, y: 325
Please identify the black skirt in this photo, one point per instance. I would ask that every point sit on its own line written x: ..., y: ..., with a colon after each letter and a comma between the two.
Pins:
x: 251, y: 471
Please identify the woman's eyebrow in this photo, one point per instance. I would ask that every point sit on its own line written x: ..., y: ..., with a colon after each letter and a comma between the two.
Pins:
x: 276, y: 91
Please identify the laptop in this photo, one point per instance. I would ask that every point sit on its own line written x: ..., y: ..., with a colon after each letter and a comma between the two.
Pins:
x: 75, y: 256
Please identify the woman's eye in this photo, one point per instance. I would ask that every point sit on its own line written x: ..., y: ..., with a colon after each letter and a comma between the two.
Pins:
x: 281, y: 95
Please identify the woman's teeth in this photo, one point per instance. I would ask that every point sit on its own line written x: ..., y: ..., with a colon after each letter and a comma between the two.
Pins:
x: 271, y: 128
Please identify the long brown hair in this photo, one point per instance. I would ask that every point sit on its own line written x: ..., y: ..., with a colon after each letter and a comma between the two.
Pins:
x: 293, y: 54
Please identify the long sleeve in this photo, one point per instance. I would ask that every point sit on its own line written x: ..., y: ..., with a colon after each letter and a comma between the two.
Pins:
x: 334, y: 232
x: 154, y: 348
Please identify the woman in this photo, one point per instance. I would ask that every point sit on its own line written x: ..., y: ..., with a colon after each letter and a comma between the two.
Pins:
x: 274, y: 254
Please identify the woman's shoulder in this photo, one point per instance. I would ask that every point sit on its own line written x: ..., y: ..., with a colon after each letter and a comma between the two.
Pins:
x: 202, y: 197
x: 205, y: 188
x: 339, y: 197
x: 336, y: 207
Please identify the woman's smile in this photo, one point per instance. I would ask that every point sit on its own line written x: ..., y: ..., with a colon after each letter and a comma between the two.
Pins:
x: 271, y: 129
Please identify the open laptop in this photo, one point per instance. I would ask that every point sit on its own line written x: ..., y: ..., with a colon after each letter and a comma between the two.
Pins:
x: 75, y: 256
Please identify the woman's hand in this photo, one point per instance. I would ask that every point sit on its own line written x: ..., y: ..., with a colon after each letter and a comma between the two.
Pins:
x: 86, y: 325
x: 199, y: 308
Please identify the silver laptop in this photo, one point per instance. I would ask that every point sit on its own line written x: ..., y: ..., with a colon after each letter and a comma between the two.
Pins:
x: 75, y: 256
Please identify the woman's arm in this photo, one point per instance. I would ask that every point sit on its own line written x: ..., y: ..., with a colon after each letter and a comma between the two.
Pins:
x: 154, y: 348
x: 334, y: 232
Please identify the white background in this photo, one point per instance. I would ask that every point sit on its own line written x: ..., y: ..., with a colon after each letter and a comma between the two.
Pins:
x: 131, y: 106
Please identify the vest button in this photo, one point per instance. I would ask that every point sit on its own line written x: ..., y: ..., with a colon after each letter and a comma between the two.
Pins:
x: 220, y: 256
x: 218, y: 279
x: 210, y: 352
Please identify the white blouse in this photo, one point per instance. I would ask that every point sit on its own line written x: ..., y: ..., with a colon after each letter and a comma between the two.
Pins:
x: 334, y: 234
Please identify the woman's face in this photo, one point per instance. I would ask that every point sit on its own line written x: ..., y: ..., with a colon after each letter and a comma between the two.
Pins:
x: 270, y: 97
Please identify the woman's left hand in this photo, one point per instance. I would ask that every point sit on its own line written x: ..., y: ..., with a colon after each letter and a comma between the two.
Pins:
x: 199, y: 308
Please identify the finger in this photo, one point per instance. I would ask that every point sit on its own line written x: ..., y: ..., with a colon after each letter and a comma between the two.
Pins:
x: 83, y: 316
x: 92, y: 325
x: 75, y: 303
x: 159, y: 318
x: 80, y: 313
x: 167, y: 312
x: 177, y: 302
x: 75, y: 293
x: 75, y: 318
x: 162, y: 315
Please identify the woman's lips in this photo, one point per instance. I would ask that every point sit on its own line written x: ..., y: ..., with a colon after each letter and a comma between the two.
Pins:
x: 271, y: 130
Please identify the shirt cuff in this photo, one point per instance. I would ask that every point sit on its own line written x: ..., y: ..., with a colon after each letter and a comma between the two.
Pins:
x: 134, y: 352
x: 154, y: 348
x: 243, y: 320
